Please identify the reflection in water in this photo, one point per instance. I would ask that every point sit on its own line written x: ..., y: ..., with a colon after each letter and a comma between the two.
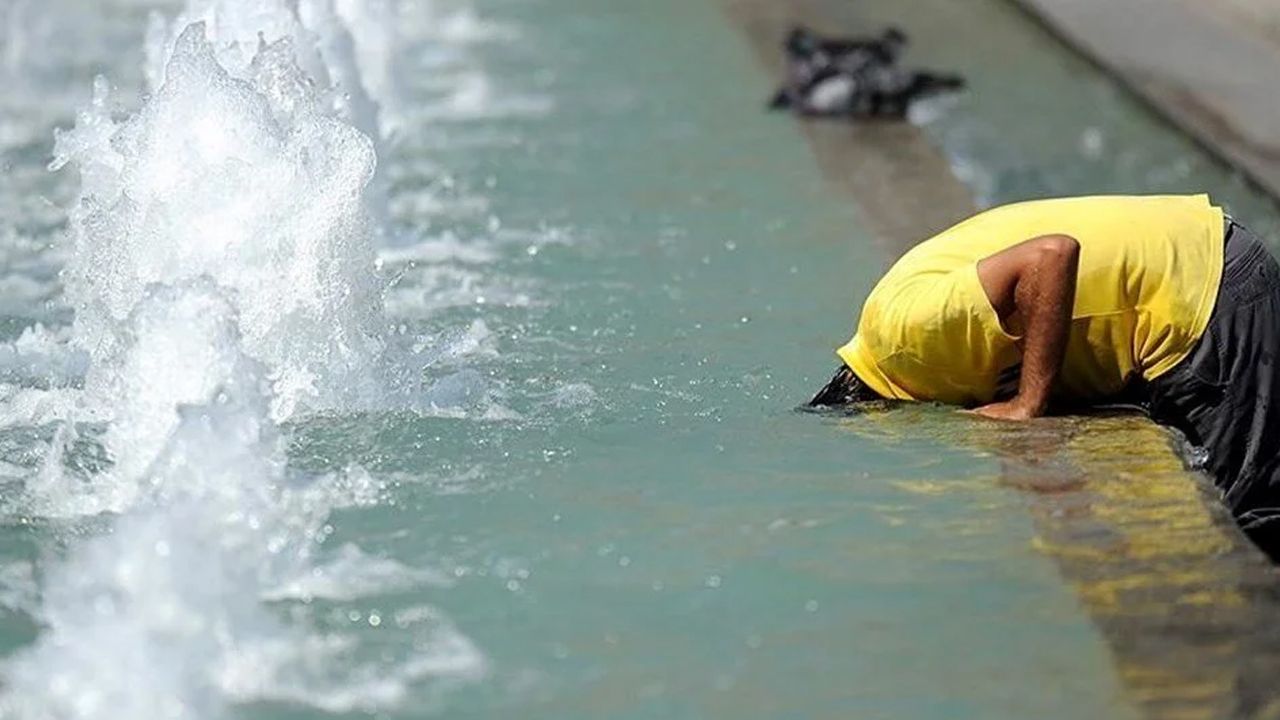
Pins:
x: 1187, y: 604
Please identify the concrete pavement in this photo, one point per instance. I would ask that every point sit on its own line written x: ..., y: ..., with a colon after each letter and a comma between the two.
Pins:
x: 1211, y: 68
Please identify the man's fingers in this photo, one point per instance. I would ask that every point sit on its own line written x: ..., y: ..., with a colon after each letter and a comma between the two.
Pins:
x: 1003, y: 411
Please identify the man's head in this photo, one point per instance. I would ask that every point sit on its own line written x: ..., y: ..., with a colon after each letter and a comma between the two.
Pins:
x: 844, y: 389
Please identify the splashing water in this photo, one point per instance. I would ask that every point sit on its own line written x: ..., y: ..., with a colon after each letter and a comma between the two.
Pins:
x: 323, y: 47
x: 372, y: 24
x: 222, y: 277
x: 194, y: 322
x: 163, y: 618
x: 252, y: 185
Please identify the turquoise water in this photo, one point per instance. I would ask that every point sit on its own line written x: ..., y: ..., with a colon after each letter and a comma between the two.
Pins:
x: 623, y: 278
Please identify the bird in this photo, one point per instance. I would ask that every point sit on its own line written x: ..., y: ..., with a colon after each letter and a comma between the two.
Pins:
x: 853, y: 77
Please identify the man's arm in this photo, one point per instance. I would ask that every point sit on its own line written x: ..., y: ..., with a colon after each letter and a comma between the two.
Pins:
x: 1032, y: 287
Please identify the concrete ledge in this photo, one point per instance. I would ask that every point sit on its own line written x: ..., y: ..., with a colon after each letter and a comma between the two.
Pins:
x: 1193, y: 63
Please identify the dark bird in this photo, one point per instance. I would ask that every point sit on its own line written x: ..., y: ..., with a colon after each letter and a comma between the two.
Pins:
x: 853, y: 77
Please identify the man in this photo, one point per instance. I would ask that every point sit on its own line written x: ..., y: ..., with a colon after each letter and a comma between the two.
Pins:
x: 1072, y: 302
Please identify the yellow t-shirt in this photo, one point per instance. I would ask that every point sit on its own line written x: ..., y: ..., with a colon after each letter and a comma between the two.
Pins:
x: 1149, y: 274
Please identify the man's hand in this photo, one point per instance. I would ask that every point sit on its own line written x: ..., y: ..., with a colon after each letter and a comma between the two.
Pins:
x: 1009, y: 410
x: 1032, y: 287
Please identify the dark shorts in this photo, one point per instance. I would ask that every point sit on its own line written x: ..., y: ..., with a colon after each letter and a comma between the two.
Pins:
x: 1223, y: 396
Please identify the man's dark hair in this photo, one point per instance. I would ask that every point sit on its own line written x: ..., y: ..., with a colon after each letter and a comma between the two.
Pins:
x: 844, y: 389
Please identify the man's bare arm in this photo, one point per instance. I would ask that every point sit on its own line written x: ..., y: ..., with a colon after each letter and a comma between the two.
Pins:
x: 1032, y: 287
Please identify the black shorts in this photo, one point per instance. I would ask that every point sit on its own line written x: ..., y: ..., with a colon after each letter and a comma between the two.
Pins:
x: 1223, y: 395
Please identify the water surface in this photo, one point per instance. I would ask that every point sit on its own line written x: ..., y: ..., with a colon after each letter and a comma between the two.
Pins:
x: 621, y: 279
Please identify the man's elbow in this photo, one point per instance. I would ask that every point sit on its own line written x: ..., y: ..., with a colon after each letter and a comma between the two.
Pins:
x: 1055, y: 250
x: 1058, y: 249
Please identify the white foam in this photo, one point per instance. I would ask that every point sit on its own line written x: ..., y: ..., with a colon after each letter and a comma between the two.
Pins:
x: 322, y: 44
x: 253, y: 186
x: 222, y: 277
x: 574, y: 395
x: 162, y: 618
x: 22, y: 406
x: 42, y: 357
x: 132, y: 604
x: 222, y: 273
x: 352, y: 574
x: 182, y: 344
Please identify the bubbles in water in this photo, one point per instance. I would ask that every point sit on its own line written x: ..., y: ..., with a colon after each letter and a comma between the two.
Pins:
x: 574, y: 395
